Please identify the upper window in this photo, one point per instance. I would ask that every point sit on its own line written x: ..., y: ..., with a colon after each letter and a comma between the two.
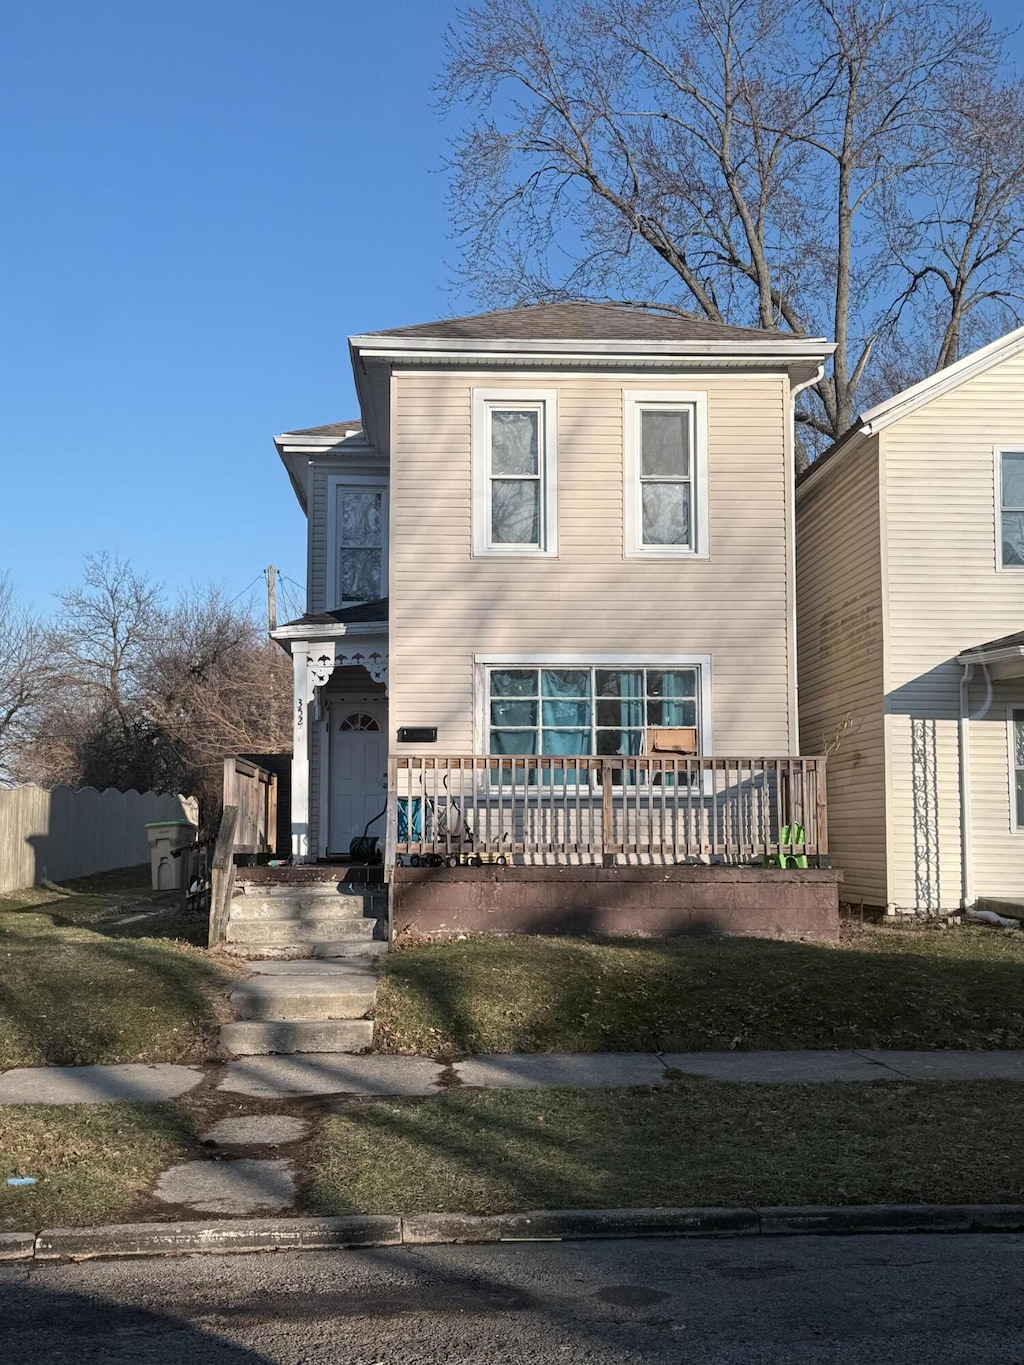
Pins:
x: 665, y: 444
x: 1011, y: 511
x: 357, y: 534
x: 514, y: 472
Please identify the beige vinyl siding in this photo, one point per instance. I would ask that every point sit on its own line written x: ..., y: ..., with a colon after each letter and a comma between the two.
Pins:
x: 318, y: 539
x: 944, y: 595
x: 839, y: 656
x: 447, y: 606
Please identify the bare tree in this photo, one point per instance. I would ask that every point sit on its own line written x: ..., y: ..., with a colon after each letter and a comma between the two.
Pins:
x: 217, y: 686
x: 728, y: 159
x: 26, y: 671
x: 149, y: 696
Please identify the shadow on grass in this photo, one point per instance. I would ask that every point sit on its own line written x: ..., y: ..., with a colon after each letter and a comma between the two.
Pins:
x: 878, y: 989
x: 693, y: 1144
x: 77, y: 993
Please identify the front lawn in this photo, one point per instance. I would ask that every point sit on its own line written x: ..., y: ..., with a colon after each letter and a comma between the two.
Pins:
x: 685, y: 1145
x: 83, y: 980
x: 91, y: 1163
x: 878, y: 988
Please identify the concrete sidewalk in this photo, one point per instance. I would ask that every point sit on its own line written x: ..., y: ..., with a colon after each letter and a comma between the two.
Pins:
x: 371, y: 1074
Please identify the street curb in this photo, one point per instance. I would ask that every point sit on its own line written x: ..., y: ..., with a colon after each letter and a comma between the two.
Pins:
x: 554, y: 1225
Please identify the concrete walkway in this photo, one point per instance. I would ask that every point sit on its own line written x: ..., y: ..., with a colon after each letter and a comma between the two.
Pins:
x: 370, y: 1074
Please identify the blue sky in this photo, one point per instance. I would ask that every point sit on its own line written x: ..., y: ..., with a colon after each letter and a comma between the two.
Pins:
x: 202, y: 200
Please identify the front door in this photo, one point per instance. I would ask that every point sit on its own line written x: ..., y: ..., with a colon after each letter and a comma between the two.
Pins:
x: 358, y: 778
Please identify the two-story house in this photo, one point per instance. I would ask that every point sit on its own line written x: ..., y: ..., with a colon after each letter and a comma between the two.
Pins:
x: 910, y: 566
x: 554, y: 533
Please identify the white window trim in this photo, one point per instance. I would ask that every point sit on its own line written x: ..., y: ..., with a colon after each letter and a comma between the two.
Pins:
x: 634, y: 401
x: 483, y: 401
x: 334, y: 483
x: 1011, y: 766
x: 997, y: 457
x: 483, y: 663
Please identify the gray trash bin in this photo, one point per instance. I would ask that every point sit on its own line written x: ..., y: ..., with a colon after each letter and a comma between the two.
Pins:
x: 164, y: 837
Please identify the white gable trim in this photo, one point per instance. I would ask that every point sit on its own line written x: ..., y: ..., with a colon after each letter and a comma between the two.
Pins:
x: 917, y: 396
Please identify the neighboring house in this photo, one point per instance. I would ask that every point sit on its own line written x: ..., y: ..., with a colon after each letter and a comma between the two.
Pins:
x: 552, y: 529
x: 910, y: 571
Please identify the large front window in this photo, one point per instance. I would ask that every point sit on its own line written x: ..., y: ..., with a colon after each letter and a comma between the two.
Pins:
x: 587, y: 710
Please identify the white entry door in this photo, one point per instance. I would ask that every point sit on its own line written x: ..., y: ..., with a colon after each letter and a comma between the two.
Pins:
x: 358, y: 777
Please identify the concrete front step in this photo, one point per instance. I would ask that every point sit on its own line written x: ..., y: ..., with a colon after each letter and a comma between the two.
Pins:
x: 362, y: 967
x: 253, y: 1038
x: 300, y: 931
x: 311, y: 890
x: 333, y: 996
x: 350, y: 948
x: 301, y: 906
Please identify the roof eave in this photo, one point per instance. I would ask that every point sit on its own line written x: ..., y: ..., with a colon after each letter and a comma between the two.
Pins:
x: 990, y: 656
x: 377, y: 347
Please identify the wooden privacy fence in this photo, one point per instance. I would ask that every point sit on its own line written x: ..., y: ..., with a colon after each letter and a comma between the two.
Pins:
x: 536, y: 810
x: 252, y: 790
x: 50, y: 835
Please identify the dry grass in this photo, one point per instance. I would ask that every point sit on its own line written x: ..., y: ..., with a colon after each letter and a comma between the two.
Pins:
x: 93, y: 1163
x: 878, y: 987
x: 693, y: 1144
x: 78, y: 984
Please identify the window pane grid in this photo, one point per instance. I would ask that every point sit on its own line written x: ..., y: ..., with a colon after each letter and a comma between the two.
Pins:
x: 515, y: 474
x: 665, y: 438
x: 586, y: 711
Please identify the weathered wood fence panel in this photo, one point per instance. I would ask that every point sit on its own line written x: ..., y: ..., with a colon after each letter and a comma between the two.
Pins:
x: 252, y: 790
x: 68, y: 832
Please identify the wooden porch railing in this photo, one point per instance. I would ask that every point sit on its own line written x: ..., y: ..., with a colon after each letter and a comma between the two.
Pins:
x: 537, y: 810
x: 253, y: 791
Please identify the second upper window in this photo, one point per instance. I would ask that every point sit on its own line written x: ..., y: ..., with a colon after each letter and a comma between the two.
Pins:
x: 514, y: 472
x: 665, y: 442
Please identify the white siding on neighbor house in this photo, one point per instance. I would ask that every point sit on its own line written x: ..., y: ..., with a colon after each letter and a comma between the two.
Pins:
x: 945, y: 595
x: 839, y: 653
x: 735, y: 606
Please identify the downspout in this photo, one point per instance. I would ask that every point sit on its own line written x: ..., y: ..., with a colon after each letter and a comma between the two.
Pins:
x: 794, y: 393
x: 966, y: 889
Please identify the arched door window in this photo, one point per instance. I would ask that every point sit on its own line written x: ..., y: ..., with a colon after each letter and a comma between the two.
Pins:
x: 359, y: 721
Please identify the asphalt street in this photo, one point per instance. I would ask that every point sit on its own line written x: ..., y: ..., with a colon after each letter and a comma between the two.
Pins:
x: 938, y: 1299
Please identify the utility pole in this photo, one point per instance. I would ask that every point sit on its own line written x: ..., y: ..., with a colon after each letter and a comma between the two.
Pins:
x: 271, y: 597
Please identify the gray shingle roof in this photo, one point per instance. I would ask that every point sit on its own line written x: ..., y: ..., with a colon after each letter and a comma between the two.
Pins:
x: 1014, y: 641
x: 366, y: 611
x: 329, y: 429
x: 580, y: 322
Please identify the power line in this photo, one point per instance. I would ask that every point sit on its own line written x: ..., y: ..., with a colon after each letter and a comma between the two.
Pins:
x: 246, y: 589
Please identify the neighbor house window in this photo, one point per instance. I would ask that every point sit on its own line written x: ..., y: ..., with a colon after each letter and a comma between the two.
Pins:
x: 665, y: 445
x: 1017, y: 765
x: 1011, y: 513
x: 587, y: 710
x: 514, y: 472
x: 357, y: 535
